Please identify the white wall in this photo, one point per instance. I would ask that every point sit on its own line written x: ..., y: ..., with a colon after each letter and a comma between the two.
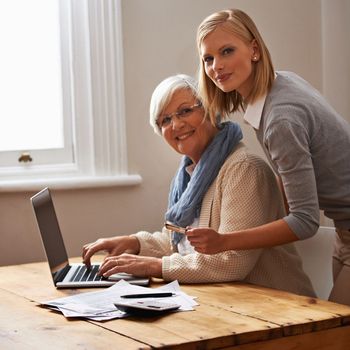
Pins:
x: 159, y: 40
x: 336, y: 54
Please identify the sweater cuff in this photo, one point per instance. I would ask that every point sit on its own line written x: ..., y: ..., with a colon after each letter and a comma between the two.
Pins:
x: 142, y: 238
x: 165, y: 267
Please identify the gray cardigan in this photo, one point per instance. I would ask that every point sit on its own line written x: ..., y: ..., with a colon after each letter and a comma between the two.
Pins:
x: 308, y: 145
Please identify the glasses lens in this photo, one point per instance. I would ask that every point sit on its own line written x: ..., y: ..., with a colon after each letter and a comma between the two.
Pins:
x: 165, y: 121
x: 185, y: 112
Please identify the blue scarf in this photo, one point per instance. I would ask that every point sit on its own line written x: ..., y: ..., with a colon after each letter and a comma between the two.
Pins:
x: 187, y: 192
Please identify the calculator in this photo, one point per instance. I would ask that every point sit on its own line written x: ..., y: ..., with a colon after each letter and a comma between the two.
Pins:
x: 146, y: 307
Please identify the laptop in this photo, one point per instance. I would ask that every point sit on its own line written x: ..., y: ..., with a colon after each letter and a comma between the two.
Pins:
x: 64, y: 274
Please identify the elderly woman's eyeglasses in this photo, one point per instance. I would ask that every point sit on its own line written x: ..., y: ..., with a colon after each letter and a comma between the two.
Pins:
x: 166, y: 120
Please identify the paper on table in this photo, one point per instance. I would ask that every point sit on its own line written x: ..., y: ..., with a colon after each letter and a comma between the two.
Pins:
x: 187, y: 302
x: 79, y: 310
x: 99, y: 306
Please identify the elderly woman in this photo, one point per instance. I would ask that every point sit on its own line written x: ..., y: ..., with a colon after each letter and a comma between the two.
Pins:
x: 219, y: 184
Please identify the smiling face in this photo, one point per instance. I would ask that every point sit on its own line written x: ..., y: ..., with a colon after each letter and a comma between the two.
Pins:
x: 190, y: 135
x: 228, y: 60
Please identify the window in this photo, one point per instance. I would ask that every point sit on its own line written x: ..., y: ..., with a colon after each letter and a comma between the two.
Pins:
x: 80, y: 138
x: 31, y: 80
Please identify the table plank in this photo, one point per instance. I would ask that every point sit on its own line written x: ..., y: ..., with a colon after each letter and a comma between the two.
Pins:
x: 335, y: 339
x: 296, y: 314
x: 207, y: 327
x: 24, y: 325
x: 24, y: 280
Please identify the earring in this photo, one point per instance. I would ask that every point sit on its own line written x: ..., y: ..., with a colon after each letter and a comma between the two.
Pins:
x: 255, y: 58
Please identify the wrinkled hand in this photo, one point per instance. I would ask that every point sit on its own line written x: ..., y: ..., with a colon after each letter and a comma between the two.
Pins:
x: 205, y: 240
x: 113, y: 246
x: 143, y: 266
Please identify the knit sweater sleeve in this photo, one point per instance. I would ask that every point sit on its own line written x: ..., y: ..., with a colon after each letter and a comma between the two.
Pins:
x: 242, y: 198
x: 155, y: 244
x: 297, y: 173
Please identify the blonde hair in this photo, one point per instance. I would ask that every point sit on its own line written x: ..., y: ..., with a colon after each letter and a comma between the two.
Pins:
x: 164, y: 92
x: 241, y: 25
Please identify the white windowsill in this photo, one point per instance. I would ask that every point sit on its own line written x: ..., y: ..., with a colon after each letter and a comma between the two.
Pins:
x: 69, y: 183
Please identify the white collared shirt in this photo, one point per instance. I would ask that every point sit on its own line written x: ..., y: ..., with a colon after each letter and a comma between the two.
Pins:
x: 253, y: 112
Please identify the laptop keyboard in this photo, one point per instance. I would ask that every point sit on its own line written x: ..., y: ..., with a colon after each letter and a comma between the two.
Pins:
x: 83, y: 273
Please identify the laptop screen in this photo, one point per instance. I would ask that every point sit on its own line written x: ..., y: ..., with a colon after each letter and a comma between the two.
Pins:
x: 50, y: 231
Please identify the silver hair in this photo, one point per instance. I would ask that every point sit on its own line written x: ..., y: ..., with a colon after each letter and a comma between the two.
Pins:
x: 163, y: 93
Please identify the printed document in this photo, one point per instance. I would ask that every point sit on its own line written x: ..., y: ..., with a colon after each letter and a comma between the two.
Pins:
x: 99, y: 306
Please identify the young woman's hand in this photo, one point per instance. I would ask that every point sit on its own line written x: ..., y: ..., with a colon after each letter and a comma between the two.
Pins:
x: 206, y: 240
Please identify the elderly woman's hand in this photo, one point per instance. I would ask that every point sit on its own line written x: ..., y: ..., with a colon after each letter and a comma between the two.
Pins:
x: 113, y: 246
x: 205, y: 240
x: 143, y: 266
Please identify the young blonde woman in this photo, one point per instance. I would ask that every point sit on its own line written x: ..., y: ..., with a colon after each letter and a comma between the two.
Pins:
x: 306, y: 141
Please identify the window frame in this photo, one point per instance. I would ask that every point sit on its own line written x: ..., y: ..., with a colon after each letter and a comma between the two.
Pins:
x: 94, y: 95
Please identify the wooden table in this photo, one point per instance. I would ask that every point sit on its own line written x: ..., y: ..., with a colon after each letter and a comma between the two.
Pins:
x: 230, y: 316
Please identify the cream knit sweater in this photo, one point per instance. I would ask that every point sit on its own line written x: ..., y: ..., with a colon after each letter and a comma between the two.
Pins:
x: 244, y: 194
